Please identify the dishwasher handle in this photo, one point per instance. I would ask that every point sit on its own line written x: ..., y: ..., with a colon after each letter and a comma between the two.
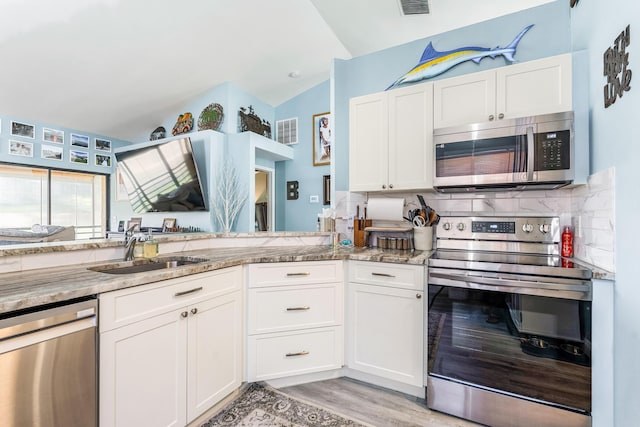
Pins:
x: 37, y: 319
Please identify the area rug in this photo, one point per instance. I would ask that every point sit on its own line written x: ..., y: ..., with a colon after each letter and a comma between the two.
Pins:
x: 261, y: 405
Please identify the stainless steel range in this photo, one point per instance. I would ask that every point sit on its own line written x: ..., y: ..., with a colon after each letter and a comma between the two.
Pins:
x: 509, y: 324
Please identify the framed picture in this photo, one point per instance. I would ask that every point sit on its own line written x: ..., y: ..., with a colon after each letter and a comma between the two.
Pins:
x: 137, y: 222
x: 24, y: 130
x: 79, y: 140
x: 103, y: 144
x: 76, y: 156
x: 103, y: 160
x: 168, y: 224
x: 121, y: 189
x: 326, y: 189
x: 21, y: 148
x: 322, y: 134
x: 51, y: 152
x: 53, y: 135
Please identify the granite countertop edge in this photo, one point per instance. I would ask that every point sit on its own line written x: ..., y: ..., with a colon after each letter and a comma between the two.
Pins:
x: 31, y: 288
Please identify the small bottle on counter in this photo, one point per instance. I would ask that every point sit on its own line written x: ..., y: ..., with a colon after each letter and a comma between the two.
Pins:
x: 566, y: 249
x: 150, y: 247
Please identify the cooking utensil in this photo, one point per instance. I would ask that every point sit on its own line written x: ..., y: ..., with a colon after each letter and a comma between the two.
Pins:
x: 419, y: 221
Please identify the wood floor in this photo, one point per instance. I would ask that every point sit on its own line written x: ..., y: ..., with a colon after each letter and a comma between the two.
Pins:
x: 372, y: 405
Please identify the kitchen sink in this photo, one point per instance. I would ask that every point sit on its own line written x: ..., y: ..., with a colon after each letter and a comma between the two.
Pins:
x: 142, y: 265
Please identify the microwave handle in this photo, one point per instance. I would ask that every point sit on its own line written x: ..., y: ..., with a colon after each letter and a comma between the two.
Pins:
x: 530, y: 153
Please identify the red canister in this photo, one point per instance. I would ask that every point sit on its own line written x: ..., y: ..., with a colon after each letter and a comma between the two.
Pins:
x: 567, y: 246
x: 567, y: 242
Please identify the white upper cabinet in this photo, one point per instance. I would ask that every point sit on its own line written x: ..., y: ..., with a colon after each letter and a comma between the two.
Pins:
x: 391, y: 140
x: 466, y: 99
x: 535, y: 87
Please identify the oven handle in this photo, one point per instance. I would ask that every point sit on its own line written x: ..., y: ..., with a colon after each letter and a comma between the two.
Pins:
x: 546, y: 289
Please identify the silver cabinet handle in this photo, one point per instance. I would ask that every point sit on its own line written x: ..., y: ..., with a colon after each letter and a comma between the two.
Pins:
x: 384, y: 187
x: 390, y: 186
x: 194, y: 310
x: 190, y: 291
x: 501, y: 116
x: 306, y: 307
x: 418, y: 296
x: 300, y: 353
x: 184, y: 314
x: 491, y: 117
x: 382, y: 274
x: 305, y: 273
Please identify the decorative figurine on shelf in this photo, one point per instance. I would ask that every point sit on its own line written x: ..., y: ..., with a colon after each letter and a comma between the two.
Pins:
x: 211, y: 117
x: 159, y: 133
x: 253, y: 123
x: 183, y: 125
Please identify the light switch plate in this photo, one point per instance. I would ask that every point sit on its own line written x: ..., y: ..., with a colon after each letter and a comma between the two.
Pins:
x: 314, y: 199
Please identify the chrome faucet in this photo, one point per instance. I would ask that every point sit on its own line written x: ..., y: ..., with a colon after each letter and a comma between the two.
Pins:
x: 130, y: 240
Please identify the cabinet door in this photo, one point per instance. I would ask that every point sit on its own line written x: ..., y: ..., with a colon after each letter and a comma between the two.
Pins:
x: 463, y: 100
x: 215, y: 352
x: 143, y: 373
x: 535, y: 87
x: 368, y: 142
x: 411, y: 137
x: 385, y: 332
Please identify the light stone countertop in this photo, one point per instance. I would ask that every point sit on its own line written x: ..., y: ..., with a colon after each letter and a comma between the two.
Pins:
x: 74, y: 245
x: 43, y: 286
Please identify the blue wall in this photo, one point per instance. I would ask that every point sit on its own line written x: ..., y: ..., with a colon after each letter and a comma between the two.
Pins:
x: 375, y: 72
x: 301, y: 215
x: 615, y: 135
x: 38, y: 142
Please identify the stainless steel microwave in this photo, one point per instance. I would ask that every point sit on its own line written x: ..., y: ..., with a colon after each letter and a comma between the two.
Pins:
x: 534, y: 152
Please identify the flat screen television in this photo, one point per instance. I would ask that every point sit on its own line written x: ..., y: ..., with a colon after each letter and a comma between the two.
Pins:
x: 162, y: 177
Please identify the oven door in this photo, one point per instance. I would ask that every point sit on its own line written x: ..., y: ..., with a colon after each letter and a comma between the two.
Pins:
x: 524, y: 336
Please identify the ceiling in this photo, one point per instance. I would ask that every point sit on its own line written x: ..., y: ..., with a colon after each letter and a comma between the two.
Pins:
x: 119, y: 67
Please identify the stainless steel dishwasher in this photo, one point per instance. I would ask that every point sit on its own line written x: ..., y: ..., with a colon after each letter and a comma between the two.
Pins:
x: 48, y: 366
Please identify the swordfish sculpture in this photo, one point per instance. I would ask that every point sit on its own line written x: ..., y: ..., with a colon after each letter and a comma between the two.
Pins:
x: 433, y: 63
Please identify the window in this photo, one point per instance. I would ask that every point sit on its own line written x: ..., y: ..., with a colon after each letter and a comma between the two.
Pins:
x: 53, y: 197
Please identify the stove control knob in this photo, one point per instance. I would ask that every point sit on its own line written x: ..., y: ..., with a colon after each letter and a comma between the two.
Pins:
x: 446, y: 226
x: 461, y: 226
x: 545, y: 228
x: 527, y: 228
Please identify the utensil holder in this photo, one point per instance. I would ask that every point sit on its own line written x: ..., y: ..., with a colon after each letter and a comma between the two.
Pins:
x: 358, y: 231
x: 423, y: 238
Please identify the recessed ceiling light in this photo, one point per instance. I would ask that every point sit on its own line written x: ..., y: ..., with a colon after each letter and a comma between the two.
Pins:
x: 294, y: 74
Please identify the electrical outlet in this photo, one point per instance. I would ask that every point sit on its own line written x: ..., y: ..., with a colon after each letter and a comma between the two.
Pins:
x: 314, y: 199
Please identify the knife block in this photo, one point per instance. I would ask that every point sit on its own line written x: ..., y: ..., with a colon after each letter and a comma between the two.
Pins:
x: 358, y: 231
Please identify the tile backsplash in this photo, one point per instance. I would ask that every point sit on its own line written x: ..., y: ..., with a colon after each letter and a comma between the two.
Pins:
x: 588, y: 208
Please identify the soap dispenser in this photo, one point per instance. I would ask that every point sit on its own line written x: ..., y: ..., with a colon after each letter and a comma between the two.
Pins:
x: 150, y: 246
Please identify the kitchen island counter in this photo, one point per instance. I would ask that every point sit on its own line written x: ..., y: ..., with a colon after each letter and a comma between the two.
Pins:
x: 24, y: 289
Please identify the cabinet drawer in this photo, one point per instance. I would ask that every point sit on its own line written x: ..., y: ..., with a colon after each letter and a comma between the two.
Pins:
x: 294, y: 273
x: 294, y: 307
x: 387, y: 274
x: 125, y: 306
x: 294, y: 353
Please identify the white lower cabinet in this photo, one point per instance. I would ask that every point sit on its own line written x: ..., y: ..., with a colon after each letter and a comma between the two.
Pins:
x: 295, y: 318
x: 385, y: 321
x: 169, y: 367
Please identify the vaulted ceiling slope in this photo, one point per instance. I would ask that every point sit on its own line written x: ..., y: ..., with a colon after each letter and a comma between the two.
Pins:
x: 118, y: 67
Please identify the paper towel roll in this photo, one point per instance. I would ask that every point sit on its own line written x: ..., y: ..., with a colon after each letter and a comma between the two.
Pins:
x: 387, y: 209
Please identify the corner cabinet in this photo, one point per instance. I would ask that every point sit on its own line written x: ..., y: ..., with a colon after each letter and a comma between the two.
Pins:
x: 534, y: 87
x: 170, y: 350
x: 391, y: 140
x: 385, y: 322
x: 295, y: 317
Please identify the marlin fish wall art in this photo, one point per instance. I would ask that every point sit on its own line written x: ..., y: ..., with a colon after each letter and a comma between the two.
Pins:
x: 433, y: 63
